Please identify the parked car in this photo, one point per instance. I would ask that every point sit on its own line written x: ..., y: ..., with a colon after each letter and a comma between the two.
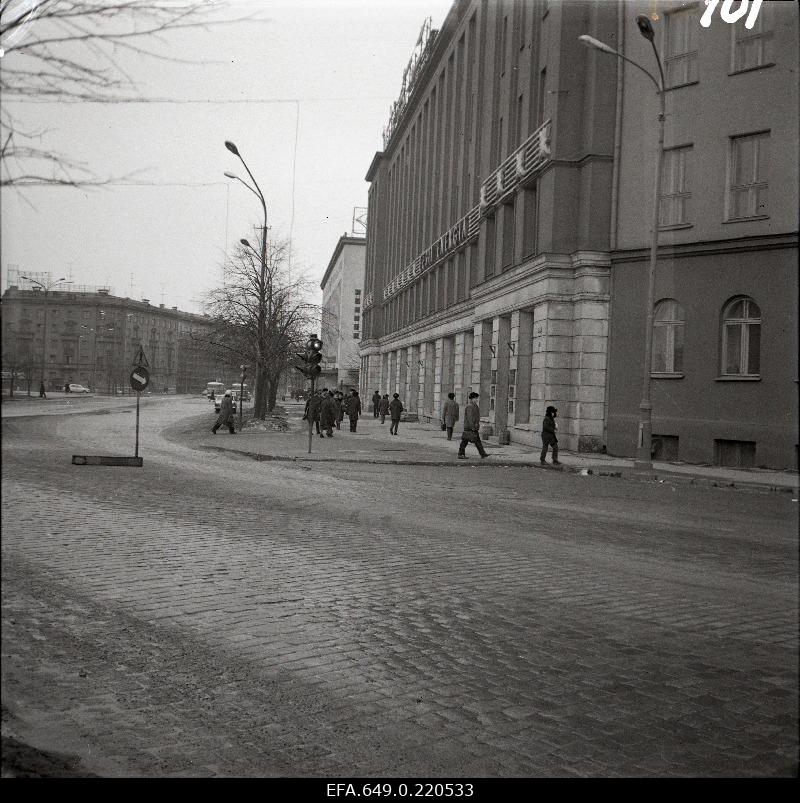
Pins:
x: 74, y: 387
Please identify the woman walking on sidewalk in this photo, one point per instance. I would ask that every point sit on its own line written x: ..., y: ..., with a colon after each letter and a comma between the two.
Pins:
x: 450, y: 414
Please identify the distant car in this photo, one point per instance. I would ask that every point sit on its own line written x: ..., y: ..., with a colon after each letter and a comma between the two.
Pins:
x: 76, y: 388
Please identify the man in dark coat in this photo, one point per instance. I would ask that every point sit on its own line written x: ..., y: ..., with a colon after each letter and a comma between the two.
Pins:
x: 450, y: 414
x: 376, y: 400
x: 472, y: 424
x: 312, y: 411
x: 353, y: 410
x: 383, y: 407
x: 337, y: 400
x: 395, y: 409
x: 225, y: 418
x: 549, y: 438
x: 327, y: 414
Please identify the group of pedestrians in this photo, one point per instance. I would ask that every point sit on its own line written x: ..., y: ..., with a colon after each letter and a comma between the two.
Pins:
x: 327, y: 409
x: 381, y: 407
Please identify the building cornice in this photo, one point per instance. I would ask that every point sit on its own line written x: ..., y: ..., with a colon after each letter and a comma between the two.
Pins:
x: 344, y: 240
x: 767, y: 242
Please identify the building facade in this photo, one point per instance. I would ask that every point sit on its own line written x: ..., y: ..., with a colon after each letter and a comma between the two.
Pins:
x: 93, y: 337
x: 509, y: 219
x: 488, y: 261
x: 342, y: 288
x: 724, y: 373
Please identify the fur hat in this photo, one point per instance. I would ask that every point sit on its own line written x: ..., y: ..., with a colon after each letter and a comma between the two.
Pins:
x: 473, y: 395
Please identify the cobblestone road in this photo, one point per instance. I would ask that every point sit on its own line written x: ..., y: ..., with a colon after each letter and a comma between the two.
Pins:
x: 210, y: 615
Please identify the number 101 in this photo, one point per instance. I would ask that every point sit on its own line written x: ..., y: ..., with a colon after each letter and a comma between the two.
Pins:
x: 731, y: 16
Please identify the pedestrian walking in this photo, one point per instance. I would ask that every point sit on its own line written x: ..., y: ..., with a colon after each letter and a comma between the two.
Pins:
x: 312, y: 411
x: 327, y: 413
x: 450, y: 414
x: 383, y: 407
x: 339, y: 409
x: 472, y: 423
x: 549, y: 437
x: 395, y: 410
x: 226, y: 411
x: 42, y: 394
x: 66, y: 387
x: 376, y: 400
x: 353, y: 410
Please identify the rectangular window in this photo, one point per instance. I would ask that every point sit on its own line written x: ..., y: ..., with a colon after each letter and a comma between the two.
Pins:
x: 753, y: 48
x: 748, y: 176
x: 675, y: 194
x: 681, y: 47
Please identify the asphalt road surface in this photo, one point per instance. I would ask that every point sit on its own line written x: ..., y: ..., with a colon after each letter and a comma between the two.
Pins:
x: 210, y: 615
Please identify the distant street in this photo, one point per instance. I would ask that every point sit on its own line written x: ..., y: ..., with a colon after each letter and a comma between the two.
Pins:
x: 211, y: 615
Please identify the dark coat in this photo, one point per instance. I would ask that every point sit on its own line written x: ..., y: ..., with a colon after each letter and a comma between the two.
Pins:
x: 472, y: 417
x: 226, y: 411
x: 383, y: 407
x: 450, y: 413
x: 312, y: 408
x: 353, y: 407
x: 395, y: 407
x: 549, y: 430
x: 327, y: 412
x: 376, y: 398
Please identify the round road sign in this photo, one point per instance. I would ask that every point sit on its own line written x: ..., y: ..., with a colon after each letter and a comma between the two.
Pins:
x: 139, y: 378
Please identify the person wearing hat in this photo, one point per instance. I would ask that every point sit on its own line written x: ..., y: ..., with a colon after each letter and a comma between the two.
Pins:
x: 353, y: 409
x: 225, y: 414
x: 327, y: 413
x: 549, y: 438
x: 395, y: 410
x: 376, y: 400
x: 472, y: 423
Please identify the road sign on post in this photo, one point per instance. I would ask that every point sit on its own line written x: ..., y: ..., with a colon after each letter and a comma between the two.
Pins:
x: 140, y: 379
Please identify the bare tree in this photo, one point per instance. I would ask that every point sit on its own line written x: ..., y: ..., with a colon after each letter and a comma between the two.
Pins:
x: 69, y: 50
x: 261, y: 323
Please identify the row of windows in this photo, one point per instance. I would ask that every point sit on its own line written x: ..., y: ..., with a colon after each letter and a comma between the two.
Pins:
x: 750, y: 48
x: 740, y: 337
x: 747, y: 185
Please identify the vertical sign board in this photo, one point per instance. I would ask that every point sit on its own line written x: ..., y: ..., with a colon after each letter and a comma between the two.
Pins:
x: 140, y: 378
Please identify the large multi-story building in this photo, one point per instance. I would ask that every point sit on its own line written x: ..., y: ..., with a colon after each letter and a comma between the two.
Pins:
x: 342, y: 286
x: 509, y: 223
x: 92, y: 338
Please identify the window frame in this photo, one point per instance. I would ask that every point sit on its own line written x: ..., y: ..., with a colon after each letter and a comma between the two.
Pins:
x: 753, y: 186
x: 670, y: 325
x: 744, y: 324
x: 758, y: 33
x: 688, y: 13
x: 682, y: 192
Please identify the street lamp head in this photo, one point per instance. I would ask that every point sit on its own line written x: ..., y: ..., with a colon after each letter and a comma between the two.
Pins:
x: 590, y: 41
x: 245, y: 243
x: 231, y: 147
x: 231, y: 175
x: 645, y: 27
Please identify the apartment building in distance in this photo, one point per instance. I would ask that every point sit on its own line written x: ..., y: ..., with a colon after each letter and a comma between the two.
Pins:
x: 342, y: 288
x: 509, y: 223
x: 92, y: 338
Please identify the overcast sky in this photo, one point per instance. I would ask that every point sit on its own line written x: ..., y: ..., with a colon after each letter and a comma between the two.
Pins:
x: 165, y: 238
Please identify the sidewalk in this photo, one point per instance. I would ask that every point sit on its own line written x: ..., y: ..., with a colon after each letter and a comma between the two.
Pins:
x: 425, y: 444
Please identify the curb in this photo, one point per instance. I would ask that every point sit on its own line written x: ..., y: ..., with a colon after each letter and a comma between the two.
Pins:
x: 624, y: 473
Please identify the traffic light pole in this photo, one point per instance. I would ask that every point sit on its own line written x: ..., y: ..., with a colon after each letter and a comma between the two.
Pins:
x: 310, y: 417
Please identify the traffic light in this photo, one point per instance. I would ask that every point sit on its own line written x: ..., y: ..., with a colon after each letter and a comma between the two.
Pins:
x: 311, y: 358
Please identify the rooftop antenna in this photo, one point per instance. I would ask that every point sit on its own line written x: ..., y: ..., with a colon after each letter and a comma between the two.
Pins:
x: 359, y: 225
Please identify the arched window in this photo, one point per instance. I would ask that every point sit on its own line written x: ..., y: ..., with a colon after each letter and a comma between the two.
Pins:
x: 668, y: 321
x: 741, y: 338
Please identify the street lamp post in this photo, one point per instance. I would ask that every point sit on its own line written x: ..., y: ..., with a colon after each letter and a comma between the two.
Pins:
x: 644, y: 456
x: 46, y: 289
x: 260, y: 400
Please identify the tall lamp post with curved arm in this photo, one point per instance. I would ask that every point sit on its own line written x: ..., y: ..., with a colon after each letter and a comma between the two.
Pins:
x: 259, y: 406
x: 644, y: 455
x: 47, y: 288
